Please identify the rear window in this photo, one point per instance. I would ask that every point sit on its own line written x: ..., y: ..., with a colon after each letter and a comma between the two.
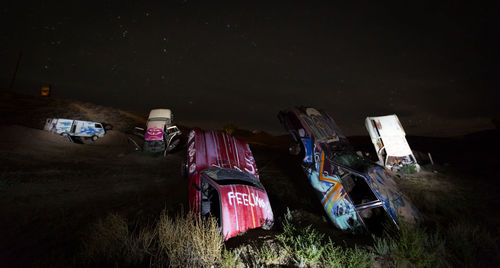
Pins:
x: 353, y: 161
x: 225, y: 176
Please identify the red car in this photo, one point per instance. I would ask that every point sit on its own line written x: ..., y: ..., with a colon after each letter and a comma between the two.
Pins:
x: 224, y: 182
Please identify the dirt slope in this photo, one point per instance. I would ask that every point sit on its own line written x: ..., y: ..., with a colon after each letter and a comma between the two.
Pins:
x: 51, y: 189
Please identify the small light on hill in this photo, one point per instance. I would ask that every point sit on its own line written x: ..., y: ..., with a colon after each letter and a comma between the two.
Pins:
x: 45, y: 90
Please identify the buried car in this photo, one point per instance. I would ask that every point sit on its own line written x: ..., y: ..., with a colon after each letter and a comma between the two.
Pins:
x: 160, y: 134
x: 223, y: 182
x: 388, y: 138
x: 355, y: 193
x: 75, y: 128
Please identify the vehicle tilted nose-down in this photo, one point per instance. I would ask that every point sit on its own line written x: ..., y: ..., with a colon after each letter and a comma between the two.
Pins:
x: 224, y: 183
x: 388, y: 138
x: 355, y: 193
x: 161, y: 135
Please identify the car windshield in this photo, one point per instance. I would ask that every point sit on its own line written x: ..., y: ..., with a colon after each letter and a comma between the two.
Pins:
x: 353, y: 161
x: 225, y: 176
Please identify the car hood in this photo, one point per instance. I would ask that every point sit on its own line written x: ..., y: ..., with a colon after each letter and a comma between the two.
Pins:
x: 154, y: 134
x: 243, y: 207
x: 394, y: 201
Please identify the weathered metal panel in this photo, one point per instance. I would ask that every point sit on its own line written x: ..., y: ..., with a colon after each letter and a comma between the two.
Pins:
x: 218, y: 149
x: 243, y: 207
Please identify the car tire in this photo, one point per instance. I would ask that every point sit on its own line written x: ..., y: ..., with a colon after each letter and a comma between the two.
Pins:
x: 64, y: 134
x: 94, y: 138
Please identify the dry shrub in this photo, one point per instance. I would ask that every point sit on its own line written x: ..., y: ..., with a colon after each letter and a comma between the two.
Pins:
x: 268, y: 255
x: 111, y: 243
x: 230, y: 259
x: 183, y: 241
x: 189, y: 241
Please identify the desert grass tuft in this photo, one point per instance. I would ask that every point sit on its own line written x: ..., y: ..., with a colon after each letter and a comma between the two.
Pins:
x: 304, y: 244
x: 338, y: 257
x: 189, y: 241
x: 267, y: 255
x: 230, y: 258
x: 412, y: 246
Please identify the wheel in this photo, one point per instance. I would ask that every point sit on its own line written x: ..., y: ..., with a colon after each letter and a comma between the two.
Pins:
x: 94, y: 138
x: 64, y: 134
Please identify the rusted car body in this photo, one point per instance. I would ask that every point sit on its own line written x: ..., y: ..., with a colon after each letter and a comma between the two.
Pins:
x: 223, y: 181
x: 354, y: 191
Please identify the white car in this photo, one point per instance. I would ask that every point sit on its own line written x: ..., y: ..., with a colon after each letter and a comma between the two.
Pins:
x: 389, y: 138
x: 75, y: 128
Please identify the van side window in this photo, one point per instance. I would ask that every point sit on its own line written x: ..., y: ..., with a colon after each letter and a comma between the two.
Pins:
x: 98, y: 126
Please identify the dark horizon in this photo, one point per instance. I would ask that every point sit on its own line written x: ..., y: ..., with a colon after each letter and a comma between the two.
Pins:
x: 433, y: 64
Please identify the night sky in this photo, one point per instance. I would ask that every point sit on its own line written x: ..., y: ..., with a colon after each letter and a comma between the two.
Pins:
x: 433, y: 64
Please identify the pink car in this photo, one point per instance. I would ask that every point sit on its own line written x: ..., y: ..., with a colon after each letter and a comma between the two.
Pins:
x: 160, y: 134
x: 224, y: 182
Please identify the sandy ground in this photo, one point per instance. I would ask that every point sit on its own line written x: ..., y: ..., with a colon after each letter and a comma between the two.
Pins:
x: 51, y: 189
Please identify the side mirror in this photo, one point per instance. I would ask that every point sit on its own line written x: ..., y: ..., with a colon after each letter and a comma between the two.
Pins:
x: 197, y: 187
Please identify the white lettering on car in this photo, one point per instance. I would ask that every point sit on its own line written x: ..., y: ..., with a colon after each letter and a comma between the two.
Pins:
x: 192, y: 168
x: 249, y: 161
x: 191, y: 136
x: 245, y: 199
x: 191, y: 152
x: 238, y: 198
x: 237, y: 168
x: 230, y: 196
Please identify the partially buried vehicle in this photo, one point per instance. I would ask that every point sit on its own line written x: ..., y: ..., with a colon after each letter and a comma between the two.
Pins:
x: 389, y: 139
x: 75, y: 128
x: 160, y: 135
x: 356, y: 193
x: 223, y: 181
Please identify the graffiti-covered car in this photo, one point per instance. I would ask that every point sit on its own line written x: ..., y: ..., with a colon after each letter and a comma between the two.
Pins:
x: 160, y: 135
x: 223, y: 181
x: 75, y: 128
x: 355, y: 192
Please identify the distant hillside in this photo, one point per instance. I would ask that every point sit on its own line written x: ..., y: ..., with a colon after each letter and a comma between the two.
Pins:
x: 32, y: 111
